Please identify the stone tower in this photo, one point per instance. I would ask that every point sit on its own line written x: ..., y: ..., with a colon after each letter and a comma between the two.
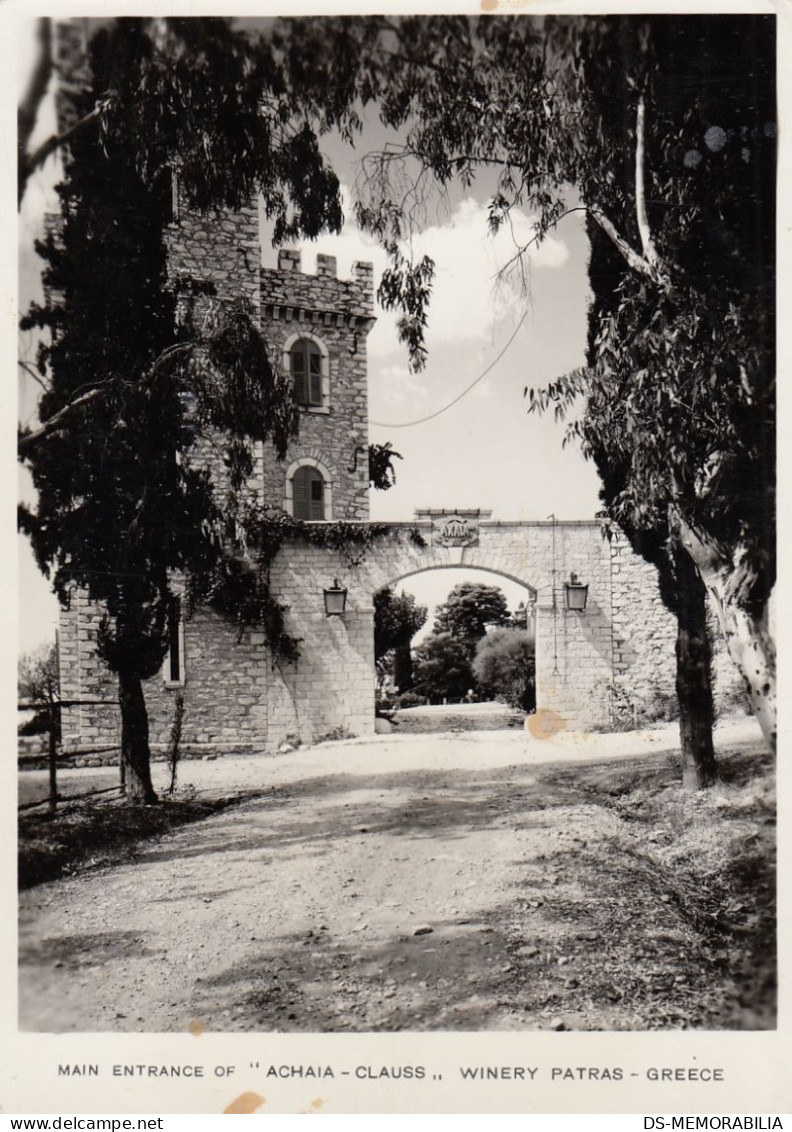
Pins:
x: 315, y: 327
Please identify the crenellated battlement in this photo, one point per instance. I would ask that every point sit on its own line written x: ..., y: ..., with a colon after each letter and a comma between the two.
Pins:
x: 287, y: 286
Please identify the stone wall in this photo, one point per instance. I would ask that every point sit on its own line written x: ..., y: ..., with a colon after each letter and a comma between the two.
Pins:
x: 83, y: 676
x: 221, y: 248
x: 221, y: 251
x: 613, y: 663
x: 213, y: 260
x: 644, y: 635
x: 225, y: 689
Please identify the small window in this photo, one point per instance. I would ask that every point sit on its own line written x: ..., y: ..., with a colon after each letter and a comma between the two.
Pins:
x: 308, y: 494
x: 306, y: 369
x: 174, y: 661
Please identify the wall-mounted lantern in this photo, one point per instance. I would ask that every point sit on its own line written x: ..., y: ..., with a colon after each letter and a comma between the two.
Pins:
x: 335, y: 600
x: 575, y: 593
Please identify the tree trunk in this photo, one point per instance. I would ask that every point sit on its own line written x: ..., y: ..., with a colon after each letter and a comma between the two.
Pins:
x: 694, y: 678
x: 135, y: 739
x: 748, y: 639
x: 753, y: 651
x: 402, y: 668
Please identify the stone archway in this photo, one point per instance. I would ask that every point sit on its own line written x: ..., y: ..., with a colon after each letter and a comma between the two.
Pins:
x: 624, y: 637
x: 238, y: 697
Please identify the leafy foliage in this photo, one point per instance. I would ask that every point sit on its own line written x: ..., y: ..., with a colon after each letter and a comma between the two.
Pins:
x: 196, y: 95
x: 505, y: 667
x: 444, y: 660
x: 442, y: 668
x: 468, y: 610
x: 406, y: 287
x: 382, y: 474
x: 397, y: 618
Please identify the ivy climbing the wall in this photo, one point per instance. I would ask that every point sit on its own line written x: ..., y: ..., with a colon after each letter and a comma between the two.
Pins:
x: 238, y: 586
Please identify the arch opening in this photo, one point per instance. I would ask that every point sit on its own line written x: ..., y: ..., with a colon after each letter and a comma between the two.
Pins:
x: 450, y: 567
x: 472, y: 664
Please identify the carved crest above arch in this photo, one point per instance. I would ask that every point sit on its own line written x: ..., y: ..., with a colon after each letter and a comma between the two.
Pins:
x: 454, y: 528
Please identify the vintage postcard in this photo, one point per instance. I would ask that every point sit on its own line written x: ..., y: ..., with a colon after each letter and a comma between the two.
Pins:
x: 395, y: 716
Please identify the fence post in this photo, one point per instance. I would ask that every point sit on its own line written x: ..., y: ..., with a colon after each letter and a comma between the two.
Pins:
x: 53, y: 773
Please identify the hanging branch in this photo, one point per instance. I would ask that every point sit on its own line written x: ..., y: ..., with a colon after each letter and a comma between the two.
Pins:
x: 645, y: 232
x: 28, y: 440
x: 28, y: 165
x: 30, y: 370
x: 649, y: 264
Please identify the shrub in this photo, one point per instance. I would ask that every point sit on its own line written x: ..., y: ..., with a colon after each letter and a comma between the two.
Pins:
x: 442, y: 669
x: 505, y: 666
x: 410, y: 699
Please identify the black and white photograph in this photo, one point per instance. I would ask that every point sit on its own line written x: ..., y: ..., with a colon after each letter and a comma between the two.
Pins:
x: 397, y: 557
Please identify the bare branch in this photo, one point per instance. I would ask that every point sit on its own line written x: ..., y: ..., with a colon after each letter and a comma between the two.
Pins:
x: 28, y: 440
x: 634, y: 259
x: 649, y: 263
x: 28, y: 165
x: 29, y: 369
x: 535, y: 239
x: 645, y: 232
x: 27, y: 112
x: 519, y: 256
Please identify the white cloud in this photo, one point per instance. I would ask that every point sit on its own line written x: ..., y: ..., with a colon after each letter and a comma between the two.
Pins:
x: 468, y: 300
x: 483, y: 392
x: 393, y: 387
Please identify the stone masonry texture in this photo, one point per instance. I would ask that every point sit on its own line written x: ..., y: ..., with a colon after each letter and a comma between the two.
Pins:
x: 613, y: 663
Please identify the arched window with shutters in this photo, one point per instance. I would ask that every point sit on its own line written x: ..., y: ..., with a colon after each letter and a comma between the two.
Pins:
x: 307, y: 367
x: 309, y: 494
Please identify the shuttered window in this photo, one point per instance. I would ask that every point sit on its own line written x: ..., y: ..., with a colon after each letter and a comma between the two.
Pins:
x: 308, y: 494
x: 174, y: 669
x: 306, y: 368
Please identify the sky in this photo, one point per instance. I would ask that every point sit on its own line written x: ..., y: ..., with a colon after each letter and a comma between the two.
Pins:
x: 484, y: 452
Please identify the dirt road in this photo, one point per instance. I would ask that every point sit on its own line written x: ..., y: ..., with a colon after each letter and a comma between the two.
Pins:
x: 427, y: 882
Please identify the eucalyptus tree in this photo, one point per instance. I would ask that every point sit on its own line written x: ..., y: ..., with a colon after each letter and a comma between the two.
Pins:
x: 661, y: 130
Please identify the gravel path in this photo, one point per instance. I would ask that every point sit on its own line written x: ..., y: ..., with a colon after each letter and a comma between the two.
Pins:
x: 373, y: 886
